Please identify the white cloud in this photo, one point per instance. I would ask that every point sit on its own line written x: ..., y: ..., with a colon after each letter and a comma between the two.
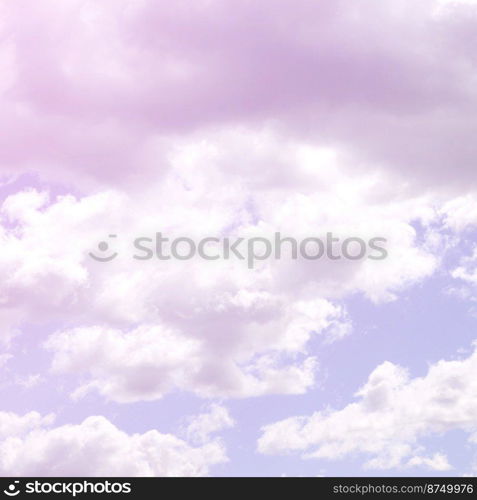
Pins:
x: 392, y: 413
x: 96, y: 447
x: 12, y: 424
x: 467, y: 270
x: 460, y: 213
x: 438, y: 461
x: 142, y: 364
x: 202, y: 426
x: 253, y: 327
x: 146, y: 363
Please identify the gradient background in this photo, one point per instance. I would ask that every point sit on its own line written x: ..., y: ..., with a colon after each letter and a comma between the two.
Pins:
x: 238, y: 118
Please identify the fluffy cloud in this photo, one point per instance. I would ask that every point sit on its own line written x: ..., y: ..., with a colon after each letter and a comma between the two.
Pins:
x: 467, y: 270
x: 12, y: 424
x: 461, y: 213
x: 148, y: 362
x: 392, y: 414
x: 254, y: 327
x: 214, y: 420
x: 460, y: 220
x: 29, y: 446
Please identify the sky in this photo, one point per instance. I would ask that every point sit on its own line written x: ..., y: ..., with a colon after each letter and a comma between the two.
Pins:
x: 237, y: 119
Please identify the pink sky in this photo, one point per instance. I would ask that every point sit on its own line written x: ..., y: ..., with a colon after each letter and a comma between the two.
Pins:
x: 238, y: 118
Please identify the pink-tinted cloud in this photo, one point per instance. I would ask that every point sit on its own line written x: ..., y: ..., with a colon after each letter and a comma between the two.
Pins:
x: 99, y: 88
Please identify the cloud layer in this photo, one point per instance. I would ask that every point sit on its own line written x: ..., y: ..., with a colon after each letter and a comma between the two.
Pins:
x: 232, y: 119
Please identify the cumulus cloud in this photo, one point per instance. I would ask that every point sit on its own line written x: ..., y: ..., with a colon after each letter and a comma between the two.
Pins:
x: 254, y: 327
x: 12, y: 424
x: 29, y: 446
x: 393, y: 413
x: 148, y: 362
